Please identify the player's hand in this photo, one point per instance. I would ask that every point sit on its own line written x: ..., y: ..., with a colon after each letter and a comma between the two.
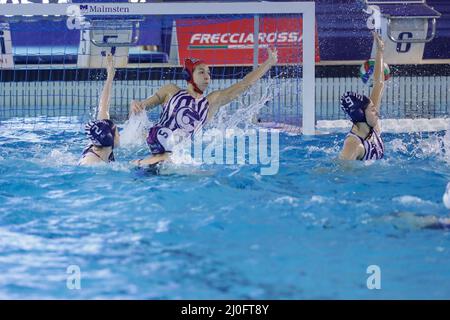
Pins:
x: 137, y: 106
x: 272, y: 56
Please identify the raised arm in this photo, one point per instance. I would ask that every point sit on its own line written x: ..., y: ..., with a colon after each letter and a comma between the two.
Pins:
x: 378, y: 76
x: 158, y: 98
x: 220, y: 98
x: 103, y: 108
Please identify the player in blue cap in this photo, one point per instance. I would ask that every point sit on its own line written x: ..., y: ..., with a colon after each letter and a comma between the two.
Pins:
x: 102, y: 133
x: 364, y: 142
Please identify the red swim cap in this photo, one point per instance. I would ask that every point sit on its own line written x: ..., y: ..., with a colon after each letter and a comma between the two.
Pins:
x: 189, y: 66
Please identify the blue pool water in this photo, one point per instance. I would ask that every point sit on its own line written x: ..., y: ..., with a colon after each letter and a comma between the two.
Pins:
x: 222, y: 232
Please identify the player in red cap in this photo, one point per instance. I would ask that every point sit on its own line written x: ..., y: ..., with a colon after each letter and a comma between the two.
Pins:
x: 187, y: 110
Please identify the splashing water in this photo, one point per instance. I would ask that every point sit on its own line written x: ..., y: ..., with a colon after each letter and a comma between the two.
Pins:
x: 434, y: 146
x: 227, y: 120
x: 135, y: 130
x: 422, y: 145
x: 242, y: 117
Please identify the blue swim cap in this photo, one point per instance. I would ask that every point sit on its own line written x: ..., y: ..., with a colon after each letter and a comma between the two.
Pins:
x: 101, y: 132
x: 354, y: 104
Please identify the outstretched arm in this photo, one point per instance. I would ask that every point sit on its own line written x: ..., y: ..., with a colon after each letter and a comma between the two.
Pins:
x: 103, y: 109
x: 378, y: 76
x: 220, y: 98
x: 151, y: 160
x: 155, y: 100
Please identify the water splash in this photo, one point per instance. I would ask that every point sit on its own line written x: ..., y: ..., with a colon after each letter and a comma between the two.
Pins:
x: 242, y: 118
x: 135, y: 130
x: 423, y: 146
x: 433, y: 146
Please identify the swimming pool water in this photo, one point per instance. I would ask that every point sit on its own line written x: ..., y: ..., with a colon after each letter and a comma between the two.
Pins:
x: 222, y: 232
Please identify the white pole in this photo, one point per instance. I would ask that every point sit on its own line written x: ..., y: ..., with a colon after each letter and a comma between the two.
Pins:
x: 256, y: 39
x: 309, y: 94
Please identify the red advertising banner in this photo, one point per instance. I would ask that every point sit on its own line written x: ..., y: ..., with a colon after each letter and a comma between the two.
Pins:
x: 230, y: 42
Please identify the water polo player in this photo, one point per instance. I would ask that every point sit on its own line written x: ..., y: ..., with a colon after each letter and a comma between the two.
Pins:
x: 186, y: 110
x: 102, y: 133
x: 364, y: 142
